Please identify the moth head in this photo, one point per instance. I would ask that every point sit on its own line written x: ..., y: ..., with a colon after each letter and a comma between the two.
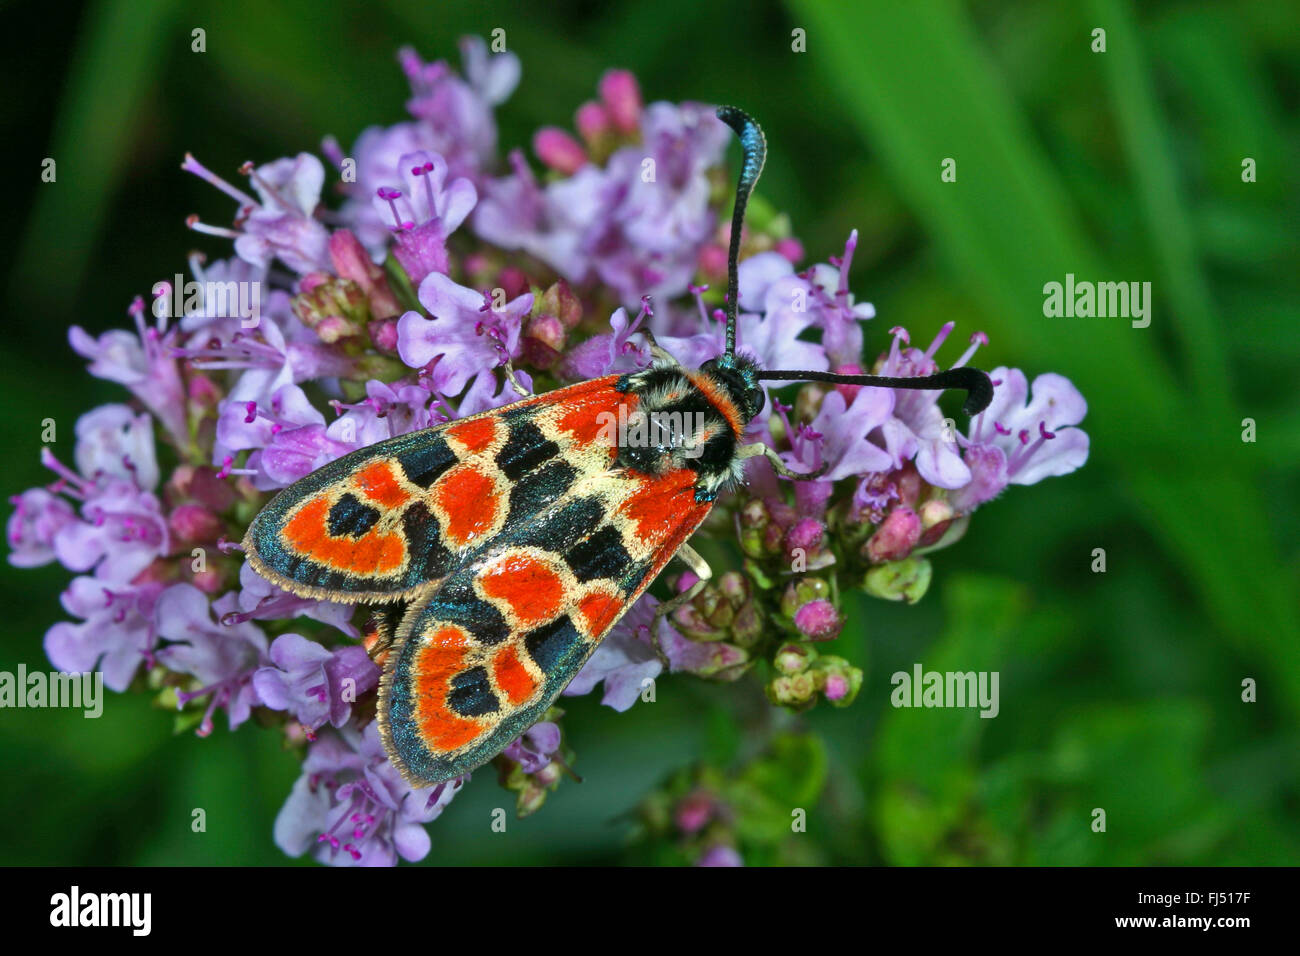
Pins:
x: 738, y: 377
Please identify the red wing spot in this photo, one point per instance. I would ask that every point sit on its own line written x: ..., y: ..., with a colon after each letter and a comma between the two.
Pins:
x: 467, y: 497
x: 475, y: 435
x: 528, y: 585
x: 437, y: 662
x: 662, y: 504
x: 376, y: 482
x: 586, y: 416
x: 598, y: 611
x: 372, y: 553
x: 307, y: 534
x: 305, y: 531
x: 511, y: 675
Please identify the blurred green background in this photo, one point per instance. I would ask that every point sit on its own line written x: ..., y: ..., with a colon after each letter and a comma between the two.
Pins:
x: 1119, y: 690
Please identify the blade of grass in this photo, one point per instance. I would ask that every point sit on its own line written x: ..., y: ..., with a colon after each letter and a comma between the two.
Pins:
x: 118, y: 61
x: 1146, y: 144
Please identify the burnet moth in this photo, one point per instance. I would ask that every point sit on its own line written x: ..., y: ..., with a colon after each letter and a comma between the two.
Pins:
x: 504, y: 546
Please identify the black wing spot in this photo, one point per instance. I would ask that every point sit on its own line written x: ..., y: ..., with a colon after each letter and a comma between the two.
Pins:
x: 573, y: 521
x: 429, y: 556
x: 350, y: 517
x: 457, y: 603
x: 471, y: 693
x: 602, y: 555
x: 424, y: 464
x: 536, y: 490
x: 548, y: 644
x: 518, y: 411
x: 525, y: 450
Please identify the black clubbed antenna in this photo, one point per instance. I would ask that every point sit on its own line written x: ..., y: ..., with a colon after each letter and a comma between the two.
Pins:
x: 754, y: 145
x: 976, y: 383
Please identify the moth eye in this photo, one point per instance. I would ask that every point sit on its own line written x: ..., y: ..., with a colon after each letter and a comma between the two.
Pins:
x: 760, y: 400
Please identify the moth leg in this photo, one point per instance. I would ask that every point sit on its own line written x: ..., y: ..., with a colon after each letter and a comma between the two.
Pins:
x: 514, y: 382
x: 381, y: 628
x: 703, y: 573
x: 655, y: 350
x: 757, y: 448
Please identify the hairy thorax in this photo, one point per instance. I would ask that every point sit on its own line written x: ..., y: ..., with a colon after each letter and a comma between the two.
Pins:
x: 678, y: 419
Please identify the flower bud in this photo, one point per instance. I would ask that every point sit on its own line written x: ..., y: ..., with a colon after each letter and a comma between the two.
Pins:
x: 558, y: 300
x: 207, y: 489
x: 333, y: 328
x: 530, y: 799
x: 753, y: 514
x: 478, y: 265
x: 194, y: 524
x: 592, y: 121
x: 178, y: 485
x: 781, y: 513
x: 895, y: 538
x: 351, y: 261
x: 543, y: 341
x: 296, y: 735
x: 622, y: 98
x: 549, y: 775
x: 811, y: 496
x: 734, y: 588
x: 806, y: 534
x: 760, y: 537
x: 558, y: 150
x: 692, y: 624
x: 722, y: 661
x: 793, y: 690
x: 791, y: 248
x: 800, y: 591
x: 907, y: 480
x: 711, y: 614
x: 693, y: 812
x: 202, y: 392
x: 850, y: 392
x: 340, y: 300
x: 776, y: 428
x: 210, y: 581
x: 905, y: 580
x: 747, y: 628
x: 513, y: 281
x: 349, y: 257
x: 819, y: 620
x: 383, y: 333
x: 312, y: 281
x: 157, y: 571
x: 838, y: 680
x: 791, y: 659
x: 712, y: 261
x: 936, y: 517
